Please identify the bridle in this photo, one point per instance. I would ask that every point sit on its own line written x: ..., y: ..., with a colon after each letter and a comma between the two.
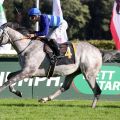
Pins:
x: 12, y: 42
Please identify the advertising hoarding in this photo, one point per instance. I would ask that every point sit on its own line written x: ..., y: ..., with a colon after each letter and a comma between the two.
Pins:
x: 108, y: 80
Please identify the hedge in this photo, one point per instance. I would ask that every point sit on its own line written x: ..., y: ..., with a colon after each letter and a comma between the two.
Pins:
x: 104, y: 44
x: 101, y: 44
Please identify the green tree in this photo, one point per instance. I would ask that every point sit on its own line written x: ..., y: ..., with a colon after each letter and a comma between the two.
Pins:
x: 100, y: 11
x: 86, y: 20
x: 8, y: 6
x: 77, y: 16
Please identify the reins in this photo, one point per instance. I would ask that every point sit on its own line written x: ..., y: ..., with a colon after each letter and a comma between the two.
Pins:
x: 25, y: 47
x: 20, y: 39
x: 31, y: 39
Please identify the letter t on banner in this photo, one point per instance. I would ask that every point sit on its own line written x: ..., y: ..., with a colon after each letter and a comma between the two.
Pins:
x: 115, y: 24
x: 2, y: 13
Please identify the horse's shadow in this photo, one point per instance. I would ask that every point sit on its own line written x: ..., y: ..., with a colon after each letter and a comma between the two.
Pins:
x: 55, y: 105
x: 109, y: 106
x: 18, y: 105
x: 41, y: 104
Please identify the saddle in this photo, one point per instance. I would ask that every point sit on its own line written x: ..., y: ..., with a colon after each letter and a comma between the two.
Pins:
x: 66, y: 50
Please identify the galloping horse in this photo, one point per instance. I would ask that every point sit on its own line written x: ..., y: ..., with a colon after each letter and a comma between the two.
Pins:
x: 34, y: 62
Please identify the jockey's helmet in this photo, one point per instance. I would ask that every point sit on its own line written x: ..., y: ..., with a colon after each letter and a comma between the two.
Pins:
x: 34, y: 11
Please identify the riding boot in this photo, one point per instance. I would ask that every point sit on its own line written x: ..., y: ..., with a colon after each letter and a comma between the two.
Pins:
x: 54, y: 46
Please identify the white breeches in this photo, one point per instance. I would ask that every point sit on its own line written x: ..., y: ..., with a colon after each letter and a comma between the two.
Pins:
x: 59, y: 34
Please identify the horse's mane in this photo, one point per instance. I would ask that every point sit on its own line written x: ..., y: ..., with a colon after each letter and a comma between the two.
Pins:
x: 23, y: 30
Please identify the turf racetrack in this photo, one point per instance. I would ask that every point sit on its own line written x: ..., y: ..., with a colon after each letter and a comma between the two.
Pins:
x: 30, y: 109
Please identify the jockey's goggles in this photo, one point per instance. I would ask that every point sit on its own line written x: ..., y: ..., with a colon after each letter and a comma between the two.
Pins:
x: 32, y: 17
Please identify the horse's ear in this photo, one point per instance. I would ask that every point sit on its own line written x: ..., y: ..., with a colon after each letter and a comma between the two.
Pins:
x: 4, y: 25
x: 10, y: 24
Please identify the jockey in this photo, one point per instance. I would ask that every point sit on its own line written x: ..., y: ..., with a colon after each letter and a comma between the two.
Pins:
x: 50, y: 26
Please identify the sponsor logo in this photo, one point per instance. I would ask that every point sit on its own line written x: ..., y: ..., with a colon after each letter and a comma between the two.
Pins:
x: 53, y: 81
x: 108, y: 80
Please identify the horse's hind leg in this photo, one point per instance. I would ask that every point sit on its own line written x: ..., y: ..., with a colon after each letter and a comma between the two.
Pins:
x: 97, y: 92
x: 66, y: 85
x: 91, y: 79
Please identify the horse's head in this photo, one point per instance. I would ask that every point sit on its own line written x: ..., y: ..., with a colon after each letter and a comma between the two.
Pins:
x: 4, y: 37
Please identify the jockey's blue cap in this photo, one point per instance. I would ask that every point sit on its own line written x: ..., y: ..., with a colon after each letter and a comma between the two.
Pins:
x: 34, y: 11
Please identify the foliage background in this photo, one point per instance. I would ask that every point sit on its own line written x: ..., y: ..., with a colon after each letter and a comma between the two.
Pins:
x: 87, y: 19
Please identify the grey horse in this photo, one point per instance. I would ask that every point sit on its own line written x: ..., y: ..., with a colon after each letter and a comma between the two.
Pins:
x: 34, y: 62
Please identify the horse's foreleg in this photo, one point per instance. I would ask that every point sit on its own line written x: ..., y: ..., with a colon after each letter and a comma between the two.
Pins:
x: 13, y: 90
x: 24, y: 74
x: 11, y: 87
x: 51, y: 97
x: 66, y: 85
x: 14, y: 77
x: 9, y: 82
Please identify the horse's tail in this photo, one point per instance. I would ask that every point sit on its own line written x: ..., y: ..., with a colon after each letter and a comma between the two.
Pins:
x: 110, y: 56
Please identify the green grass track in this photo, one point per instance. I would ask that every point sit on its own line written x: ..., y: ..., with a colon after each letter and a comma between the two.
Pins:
x: 30, y: 109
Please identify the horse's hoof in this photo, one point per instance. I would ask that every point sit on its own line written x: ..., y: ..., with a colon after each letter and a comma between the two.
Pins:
x: 93, y: 106
x: 42, y: 100
x: 18, y: 93
x: 94, y: 102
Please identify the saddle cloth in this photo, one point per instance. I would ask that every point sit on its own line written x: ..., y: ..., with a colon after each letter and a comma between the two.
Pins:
x: 66, y: 49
